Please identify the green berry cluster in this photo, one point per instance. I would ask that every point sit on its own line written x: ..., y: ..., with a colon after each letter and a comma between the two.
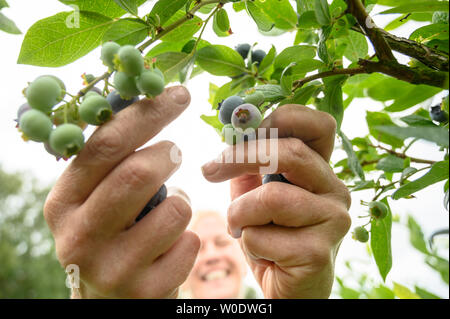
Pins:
x: 59, y: 124
x: 132, y: 77
x: 378, y: 211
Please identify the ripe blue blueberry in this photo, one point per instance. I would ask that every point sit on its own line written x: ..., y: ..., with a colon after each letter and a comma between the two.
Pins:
x: 117, y: 103
x: 258, y: 56
x: 227, y: 107
x: 438, y: 115
x: 157, y: 199
x: 246, y: 116
x: 275, y: 178
x: 243, y: 50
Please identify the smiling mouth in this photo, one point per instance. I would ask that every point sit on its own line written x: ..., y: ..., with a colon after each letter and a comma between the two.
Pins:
x: 215, y: 275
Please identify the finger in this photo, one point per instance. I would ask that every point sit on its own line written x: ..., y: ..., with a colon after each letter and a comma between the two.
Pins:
x: 301, y: 165
x: 120, y: 197
x: 153, y: 235
x: 170, y: 270
x: 284, y: 205
x: 287, y: 247
x: 243, y: 184
x: 315, y: 128
x: 117, y: 139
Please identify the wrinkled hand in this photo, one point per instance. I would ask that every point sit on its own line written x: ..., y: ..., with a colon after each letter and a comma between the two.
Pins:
x: 290, y: 234
x: 92, y: 208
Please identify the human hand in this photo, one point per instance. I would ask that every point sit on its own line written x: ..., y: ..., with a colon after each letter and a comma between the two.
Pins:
x: 290, y: 234
x: 92, y: 209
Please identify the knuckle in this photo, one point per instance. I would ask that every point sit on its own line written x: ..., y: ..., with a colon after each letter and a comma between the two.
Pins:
x: 136, y: 174
x: 179, y: 211
x: 320, y: 257
x: 296, y: 148
x: 71, y: 249
x: 106, y: 144
x: 269, y: 194
x: 329, y: 122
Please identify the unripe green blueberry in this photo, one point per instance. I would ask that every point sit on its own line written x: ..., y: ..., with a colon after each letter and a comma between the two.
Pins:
x: 109, y: 51
x: 60, y: 82
x: 150, y: 83
x: 126, y: 85
x: 67, y: 140
x: 22, y: 109
x: 246, y: 116
x: 378, y: 210
x: 92, y: 92
x: 256, y: 98
x: 36, y: 125
x: 131, y: 60
x: 360, y: 234
x: 230, y: 135
x: 44, y: 93
x: 227, y: 107
x: 159, y: 72
x: 95, y: 110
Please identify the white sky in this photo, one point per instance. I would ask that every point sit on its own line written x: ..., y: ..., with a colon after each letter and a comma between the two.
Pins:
x: 199, y: 142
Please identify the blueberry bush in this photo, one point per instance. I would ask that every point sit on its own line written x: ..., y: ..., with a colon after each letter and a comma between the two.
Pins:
x: 337, y: 55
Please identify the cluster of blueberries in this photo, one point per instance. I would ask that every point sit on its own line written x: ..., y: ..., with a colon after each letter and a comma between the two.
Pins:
x: 61, y: 128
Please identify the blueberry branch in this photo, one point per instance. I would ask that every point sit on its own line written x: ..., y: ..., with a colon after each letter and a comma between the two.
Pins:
x: 403, y: 155
x: 189, y: 15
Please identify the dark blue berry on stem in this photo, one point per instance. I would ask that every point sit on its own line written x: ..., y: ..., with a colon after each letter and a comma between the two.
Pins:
x: 438, y: 115
x: 157, y: 199
x: 227, y: 107
x: 117, y: 103
x: 243, y: 50
x: 275, y: 178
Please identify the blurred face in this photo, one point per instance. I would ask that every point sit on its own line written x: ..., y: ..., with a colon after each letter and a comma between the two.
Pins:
x: 220, y: 265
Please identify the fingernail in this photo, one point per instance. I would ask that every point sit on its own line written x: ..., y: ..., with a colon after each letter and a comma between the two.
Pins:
x: 179, y: 95
x: 236, y: 233
x: 175, y: 191
x: 210, y: 168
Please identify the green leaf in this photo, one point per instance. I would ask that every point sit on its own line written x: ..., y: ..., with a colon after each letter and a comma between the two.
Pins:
x: 322, y: 12
x: 171, y: 63
x: 221, y: 24
x: 8, y: 25
x: 295, y: 54
x: 440, y: 265
x: 51, y: 43
x: 165, y: 9
x: 391, y: 164
x: 308, y: 20
x: 214, y: 122
x: 225, y: 91
x: 307, y: 65
x: 333, y: 102
x: 437, y: 173
x: 380, y: 242
x: 184, y: 33
x: 352, y: 159
x: 438, y: 135
x: 127, y: 31
x: 375, y: 119
x: 416, y: 236
x: 286, y: 79
x: 164, y: 47
x: 262, y: 20
x: 129, y: 6
x: 280, y: 12
x: 268, y: 60
x: 357, y: 47
x: 3, y: 4
x: 417, y: 120
x: 403, y: 292
x: 437, y: 31
x: 424, y: 6
x: 413, y: 96
x: 107, y: 8
x: 302, y: 95
x: 381, y: 292
x: 424, y: 294
x: 272, y: 92
x: 220, y: 60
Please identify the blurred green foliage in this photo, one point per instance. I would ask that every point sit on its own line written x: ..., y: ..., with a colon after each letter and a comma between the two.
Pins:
x: 28, y: 264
